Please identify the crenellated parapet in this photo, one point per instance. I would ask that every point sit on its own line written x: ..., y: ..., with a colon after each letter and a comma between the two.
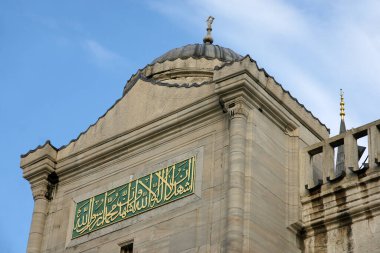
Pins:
x: 339, y: 205
x: 322, y: 153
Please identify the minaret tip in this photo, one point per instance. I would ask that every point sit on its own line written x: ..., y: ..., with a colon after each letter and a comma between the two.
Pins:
x: 342, y: 113
x: 208, y: 38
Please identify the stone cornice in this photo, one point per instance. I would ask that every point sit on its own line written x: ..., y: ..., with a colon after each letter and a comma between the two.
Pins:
x: 39, y: 170
x: 243, y: 86
x: 40, y: 152
x: 263, y: 89
x: 38, y: 164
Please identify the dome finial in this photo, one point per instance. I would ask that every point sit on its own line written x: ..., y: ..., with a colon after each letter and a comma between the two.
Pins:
x: 208, y: 38
x: 342, y: 114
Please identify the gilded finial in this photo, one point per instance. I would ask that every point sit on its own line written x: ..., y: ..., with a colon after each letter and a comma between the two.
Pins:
x: 342, y: 114
x: 208, y: 38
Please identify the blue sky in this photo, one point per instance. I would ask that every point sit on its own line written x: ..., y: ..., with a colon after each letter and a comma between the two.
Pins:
x: 63, y: 64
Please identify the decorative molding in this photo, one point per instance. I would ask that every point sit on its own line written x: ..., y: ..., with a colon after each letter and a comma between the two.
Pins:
x: 257, y: 83
x: 238, y: 108
x: 243, y: 87
x: 47, y: 143
x: 39, y: 191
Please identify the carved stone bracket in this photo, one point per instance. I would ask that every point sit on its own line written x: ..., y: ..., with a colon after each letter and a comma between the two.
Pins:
x: 39, y: 191
x: 237, y: 108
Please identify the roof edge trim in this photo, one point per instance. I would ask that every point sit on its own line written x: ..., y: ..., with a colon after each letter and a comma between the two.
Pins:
x: 47, y: 142
x: 267, y: 75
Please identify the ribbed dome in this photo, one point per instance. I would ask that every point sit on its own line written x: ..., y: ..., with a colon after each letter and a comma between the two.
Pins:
x: 208, y: 51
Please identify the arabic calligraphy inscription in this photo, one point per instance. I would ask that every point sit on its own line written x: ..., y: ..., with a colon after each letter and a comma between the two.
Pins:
x: 143, y: 194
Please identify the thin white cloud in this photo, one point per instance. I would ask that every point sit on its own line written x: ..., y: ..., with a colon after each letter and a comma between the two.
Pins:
x: 101, y: 55
x: 312, y: 48
x: 98, y: 51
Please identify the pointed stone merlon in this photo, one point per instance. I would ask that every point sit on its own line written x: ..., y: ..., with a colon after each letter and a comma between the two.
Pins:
x: 374, y: 145
x: 350, y: 153
x: 312, y: 180
x: 37, y: 165
x: 351, y: 148
x: 328, y: 162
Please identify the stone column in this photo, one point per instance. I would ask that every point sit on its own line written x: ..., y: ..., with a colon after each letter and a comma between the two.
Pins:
x: 238, y: 112
x: 38, y: 218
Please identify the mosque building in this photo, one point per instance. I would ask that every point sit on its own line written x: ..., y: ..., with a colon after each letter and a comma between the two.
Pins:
x: 206, y: 152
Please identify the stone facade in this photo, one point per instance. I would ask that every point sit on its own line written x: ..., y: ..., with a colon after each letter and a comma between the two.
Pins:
x: 250, y: 138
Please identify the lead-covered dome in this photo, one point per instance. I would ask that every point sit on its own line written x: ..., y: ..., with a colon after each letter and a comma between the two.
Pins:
x: 190, y: 64
x: 197, y: 51
x: 187, y: 66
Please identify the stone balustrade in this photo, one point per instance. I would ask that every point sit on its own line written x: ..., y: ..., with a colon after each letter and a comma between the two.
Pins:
x: 319, y: 162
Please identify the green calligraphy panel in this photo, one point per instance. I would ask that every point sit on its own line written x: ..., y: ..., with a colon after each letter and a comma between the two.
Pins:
x: 138, y: 196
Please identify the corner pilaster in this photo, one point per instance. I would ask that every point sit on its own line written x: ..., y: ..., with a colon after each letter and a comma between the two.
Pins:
x: 238, y: 111
x: 37, y: 166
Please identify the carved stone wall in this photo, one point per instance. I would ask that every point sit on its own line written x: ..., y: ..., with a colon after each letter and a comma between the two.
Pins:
x: 245, y: 132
